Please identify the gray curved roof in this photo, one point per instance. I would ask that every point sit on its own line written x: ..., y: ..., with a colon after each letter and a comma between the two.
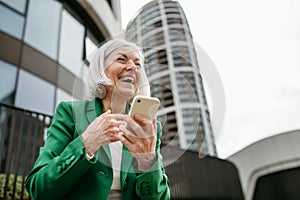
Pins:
x: 273, y: 154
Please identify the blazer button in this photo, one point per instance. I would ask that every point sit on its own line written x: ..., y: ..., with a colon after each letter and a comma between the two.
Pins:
x: 63, y: 166
x: 58, y: 169
x: 101, y: 172
x: 72, y: 158
x: 68, y: 161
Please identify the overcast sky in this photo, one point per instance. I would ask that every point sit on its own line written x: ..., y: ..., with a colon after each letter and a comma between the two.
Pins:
x: 255, y: 47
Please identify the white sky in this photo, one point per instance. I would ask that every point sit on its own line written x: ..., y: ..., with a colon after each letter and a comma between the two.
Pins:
x: 255, y: 46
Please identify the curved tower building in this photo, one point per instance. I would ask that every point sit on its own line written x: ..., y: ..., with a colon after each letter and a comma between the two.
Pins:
x: 162, y: 29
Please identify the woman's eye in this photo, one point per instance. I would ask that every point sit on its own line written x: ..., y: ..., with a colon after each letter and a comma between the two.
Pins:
x: 121, y: 59
x: 138, y: 65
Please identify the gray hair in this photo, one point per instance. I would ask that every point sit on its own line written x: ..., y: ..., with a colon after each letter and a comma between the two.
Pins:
x: 96, y: 73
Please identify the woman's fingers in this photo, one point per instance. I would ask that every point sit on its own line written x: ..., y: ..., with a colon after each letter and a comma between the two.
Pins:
x: 138, y: 134
x: 136, y: 143
x: 103, y: 130
x: 143, y: 121
x: 140, y: 125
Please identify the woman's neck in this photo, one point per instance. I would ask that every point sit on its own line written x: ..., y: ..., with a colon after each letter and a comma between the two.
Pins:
x: 116, y: 104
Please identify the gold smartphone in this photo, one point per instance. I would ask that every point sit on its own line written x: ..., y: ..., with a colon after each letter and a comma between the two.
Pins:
x: 146, y: 106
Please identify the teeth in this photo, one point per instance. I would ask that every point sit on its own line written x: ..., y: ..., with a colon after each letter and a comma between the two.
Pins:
x: 127, y: 79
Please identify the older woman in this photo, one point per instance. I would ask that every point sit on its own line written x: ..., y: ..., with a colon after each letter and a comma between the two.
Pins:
x: 94, y: 150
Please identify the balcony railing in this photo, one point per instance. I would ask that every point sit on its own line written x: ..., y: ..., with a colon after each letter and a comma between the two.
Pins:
x: 21, y: 135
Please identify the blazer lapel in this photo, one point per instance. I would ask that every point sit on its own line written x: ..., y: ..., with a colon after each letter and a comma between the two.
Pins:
x: 93, y: 110
x: 126, y: 158
x: 125, y: 163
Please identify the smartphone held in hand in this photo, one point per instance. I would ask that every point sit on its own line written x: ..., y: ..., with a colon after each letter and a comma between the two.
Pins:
x: 145, y: 106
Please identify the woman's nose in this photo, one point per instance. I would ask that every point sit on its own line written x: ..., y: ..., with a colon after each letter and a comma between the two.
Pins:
x: 131, y: 65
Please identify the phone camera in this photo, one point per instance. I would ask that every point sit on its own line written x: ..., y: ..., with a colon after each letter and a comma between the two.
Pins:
x: 139, y: 101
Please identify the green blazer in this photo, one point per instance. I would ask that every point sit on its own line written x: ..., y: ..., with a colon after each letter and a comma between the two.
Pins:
x: 62, y: 170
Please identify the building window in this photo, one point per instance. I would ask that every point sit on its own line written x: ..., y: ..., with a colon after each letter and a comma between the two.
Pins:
x: 42, y: 26
x: 90, y: 48
x: 187, y: 87
x: 61, y: 95
x: 181, y: 56
x: 19, y: 5
x: 71, y: 43
x: 190, y: 137
x: 174, y: 21
x: 161, y: 88
x: 169, y: 127
x: 153, y: 40
x: 156, y: 61
x: 8, y: 74
x: 11, y: 22
x: 34, y: 93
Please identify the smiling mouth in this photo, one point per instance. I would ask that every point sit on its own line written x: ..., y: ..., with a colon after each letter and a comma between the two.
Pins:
x: 127, y: 79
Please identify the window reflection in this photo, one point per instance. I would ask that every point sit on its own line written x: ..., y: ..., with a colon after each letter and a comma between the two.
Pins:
x: 71, y: 43
x: 90, y: 48
x: 42, y: 26
x: 19, y: 5
x: 35, y: 94
x: 61, y: 95
x: 187, y: 87
x: 8, y: 75
x: 11, y: 22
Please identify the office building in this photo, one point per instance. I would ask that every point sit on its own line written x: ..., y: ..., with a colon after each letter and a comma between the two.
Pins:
x: 43, y: 47
x: 162, y: 29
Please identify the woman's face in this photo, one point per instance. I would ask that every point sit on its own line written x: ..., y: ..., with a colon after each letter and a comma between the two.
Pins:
x: 123, y: 67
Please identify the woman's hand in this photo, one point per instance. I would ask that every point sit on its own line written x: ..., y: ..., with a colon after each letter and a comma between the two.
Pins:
x: 140, y: 138
x: 103, y: 130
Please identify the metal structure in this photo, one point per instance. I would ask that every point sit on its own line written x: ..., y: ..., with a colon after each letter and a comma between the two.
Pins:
x: 204, y: 178
x: 21, y: 135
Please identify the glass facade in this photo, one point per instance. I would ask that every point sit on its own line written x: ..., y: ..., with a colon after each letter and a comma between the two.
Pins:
x: 42, y: 26
x: 156, y: 61
x: 11, y: 22
x: 153, y: 40
x: 18, y: 5
x: 8, y: 75
x: 48, y: 43
x: 61, y: 95
x: 90, y: 47
x: 169, y: 129
x: 71, y: 43
x: 161, y: 88
x: 34, y: 93
x: 186, y: 87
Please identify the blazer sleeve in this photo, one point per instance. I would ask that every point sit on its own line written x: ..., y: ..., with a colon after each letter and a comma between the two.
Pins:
x: 61, y: 162
x: 153, y: 184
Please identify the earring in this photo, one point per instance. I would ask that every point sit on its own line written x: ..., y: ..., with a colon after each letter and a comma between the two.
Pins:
x: 100, y: 91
